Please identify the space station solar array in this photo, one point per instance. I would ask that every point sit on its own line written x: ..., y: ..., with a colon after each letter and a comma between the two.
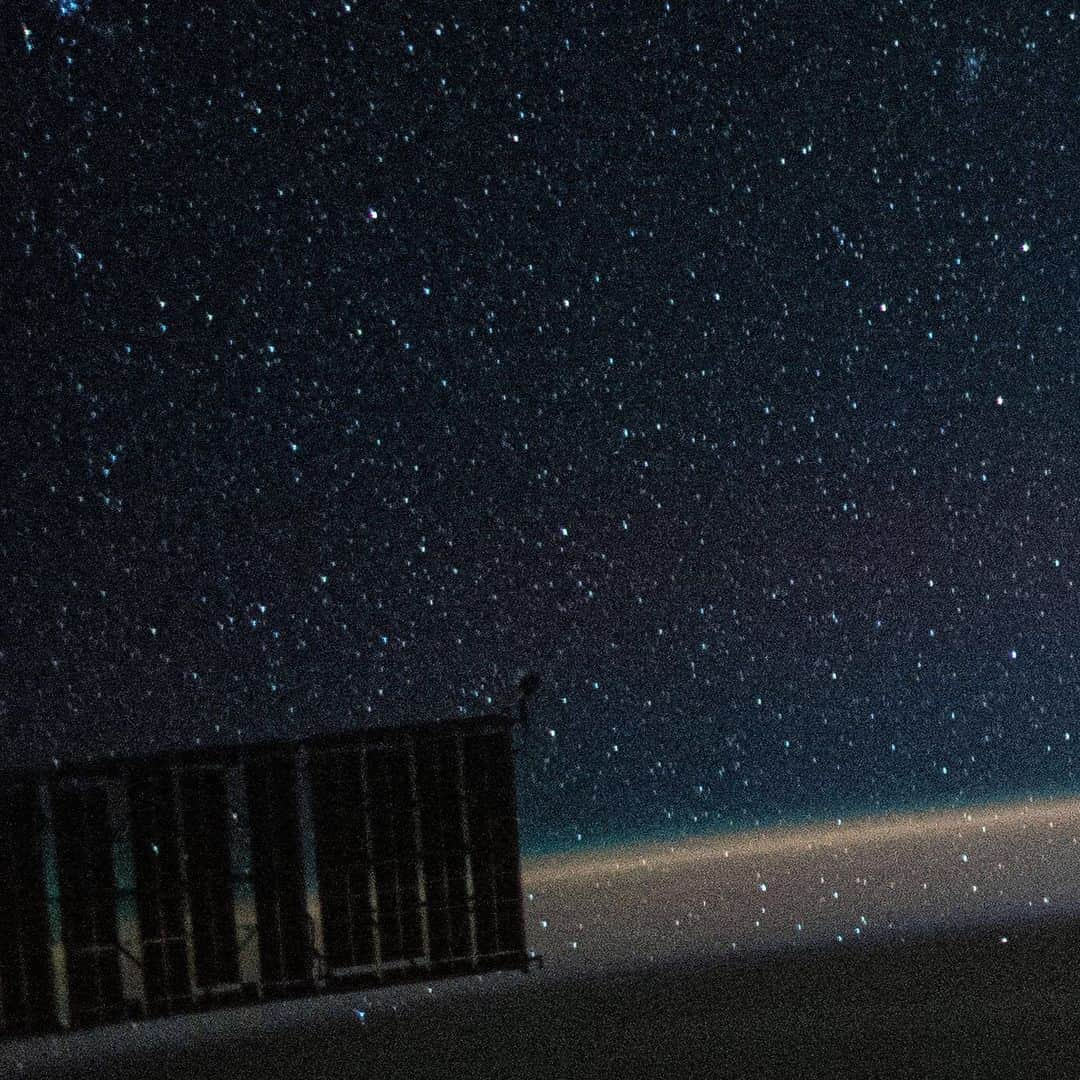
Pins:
x: 179, y: 882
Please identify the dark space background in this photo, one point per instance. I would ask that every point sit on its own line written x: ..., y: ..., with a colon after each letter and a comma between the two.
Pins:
x: 715, y: 360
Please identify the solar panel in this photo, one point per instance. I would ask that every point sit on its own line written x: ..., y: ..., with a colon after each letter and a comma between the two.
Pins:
x: 204, y: 805
x: 445, y: 851
x: 179, y: 881
x: 84, y: 858
x: 281, y: 917
x: 160, y: 888
x: 343, y: 847
x: 394, y: 833
x: 493, y: 844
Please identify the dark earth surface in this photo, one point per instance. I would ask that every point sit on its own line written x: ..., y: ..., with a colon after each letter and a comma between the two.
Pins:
x: 966, y: 1005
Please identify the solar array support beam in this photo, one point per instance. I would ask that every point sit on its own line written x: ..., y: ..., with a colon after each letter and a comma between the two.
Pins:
x: 372, y: 886
x: 57, y: 952
x: 470, y: 884
x: 309, y: 862
x: 247, y: 924
x: 127, y: 908
x: 418, y: 842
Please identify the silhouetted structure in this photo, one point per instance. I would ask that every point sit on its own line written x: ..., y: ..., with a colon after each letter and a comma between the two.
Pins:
x: 179, y: 881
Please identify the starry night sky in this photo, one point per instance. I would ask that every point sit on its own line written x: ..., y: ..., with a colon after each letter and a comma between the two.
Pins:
x: 717, y: 362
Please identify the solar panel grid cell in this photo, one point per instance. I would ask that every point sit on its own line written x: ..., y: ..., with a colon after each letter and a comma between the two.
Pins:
x: 25, y: 984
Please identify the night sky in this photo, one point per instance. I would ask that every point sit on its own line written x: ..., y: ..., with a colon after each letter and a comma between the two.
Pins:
x: 715, y: 361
